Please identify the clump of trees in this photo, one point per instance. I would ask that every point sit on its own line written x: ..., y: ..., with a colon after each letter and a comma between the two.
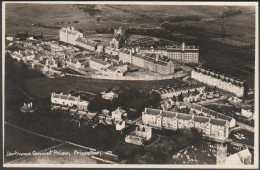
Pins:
x: 162, y: 151
x: 97, y: 103
x: 46, y: 26
x: 128, y: 97
x: 89, y: 9
x: 230, y: 12
x: 104, y: 31
x: 181, y: 18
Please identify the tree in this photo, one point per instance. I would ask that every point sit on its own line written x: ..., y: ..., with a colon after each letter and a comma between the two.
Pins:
x: 196, y: 92
x: 180, y: 97
x: 174, y: 98
x: 155, y: 98
x: 95, y: 104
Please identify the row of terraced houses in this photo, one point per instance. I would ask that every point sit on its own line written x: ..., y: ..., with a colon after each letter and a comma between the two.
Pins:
x: 176, y: 91
x: 69, y: 100
x: 218, y: 80
x: 162, y: 119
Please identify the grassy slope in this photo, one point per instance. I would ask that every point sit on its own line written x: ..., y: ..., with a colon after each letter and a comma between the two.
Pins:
x: 23, y: 142
x: 23, y: 15
x: 240, y: 27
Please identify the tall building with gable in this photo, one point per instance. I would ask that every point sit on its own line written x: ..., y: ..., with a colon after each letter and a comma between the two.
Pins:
x: 69, y: 35
x: 118, y: 38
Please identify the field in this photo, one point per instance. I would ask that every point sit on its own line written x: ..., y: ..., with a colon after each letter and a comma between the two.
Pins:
x: 251, y: 66
x: 231, y: 42
x: 55, y: 158
x: 23, y: 142
x: 20, y: 141
x: 18, y: 17
x: 43, y: 87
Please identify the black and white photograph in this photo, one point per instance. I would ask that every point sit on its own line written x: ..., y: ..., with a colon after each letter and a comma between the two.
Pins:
x: 121, y: 84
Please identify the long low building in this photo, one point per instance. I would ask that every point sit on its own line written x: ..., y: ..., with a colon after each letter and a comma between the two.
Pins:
x: 183, y: 53
x: 176, y: 91
x: 98, y: 64
x: 86, y: 44
x: 69, y: 100
x: 78, y: 64
x: 148, y: 61
x: 218, y: 80
x: 172, y: 120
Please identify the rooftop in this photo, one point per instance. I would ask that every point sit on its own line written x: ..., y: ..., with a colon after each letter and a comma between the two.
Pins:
x: 99, y: 61
x: 63, y: 97
x: 119, y: 111
x: 218, y: 122
x: 112, y: 68
x: 87, y: 42
x: 217, y: 75
x: 168, y: 114
x: 70, y: 30
x: 212, y: 112
x: 152, y: 111
x: 184, y: 116
x: 201, y: 119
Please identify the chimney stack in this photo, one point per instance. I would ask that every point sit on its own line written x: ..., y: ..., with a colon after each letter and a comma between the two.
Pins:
x: 183, y: 46
x: 157, y: 57
x: 133, y: 50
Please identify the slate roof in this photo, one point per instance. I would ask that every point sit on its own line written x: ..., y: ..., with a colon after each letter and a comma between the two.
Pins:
x: 99, y: 61
x: 112, y: 68
x: 64, y: 97
x: 72, y: 98
x: 225, y: 78
x: 119, y: 111
x: 218, y: 122
x: 87, y: 42
x: 184, y: 116
x: 152, y: 111
x: 56, y: 96
x: 201, y: 119
x: 168, y: 114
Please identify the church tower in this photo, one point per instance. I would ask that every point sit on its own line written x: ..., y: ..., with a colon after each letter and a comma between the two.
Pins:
x: 221, y: 154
